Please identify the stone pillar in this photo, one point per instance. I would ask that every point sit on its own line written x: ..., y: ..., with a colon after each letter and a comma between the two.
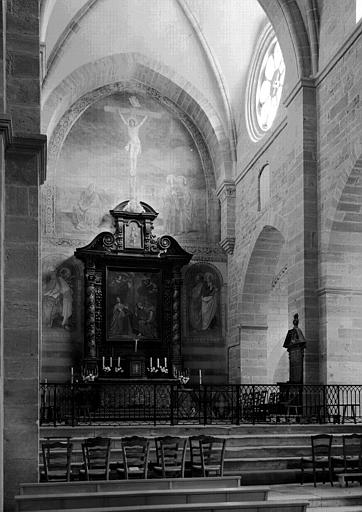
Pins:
x: 5, y: 134
x: 24, y: 172
x: 24, y: 161
x: 301, y: 212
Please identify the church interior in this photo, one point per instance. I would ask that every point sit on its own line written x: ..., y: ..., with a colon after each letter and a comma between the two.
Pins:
x: 180, y: 178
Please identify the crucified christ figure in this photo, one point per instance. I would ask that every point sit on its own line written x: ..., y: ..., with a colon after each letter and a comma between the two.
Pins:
x: 133, y: 145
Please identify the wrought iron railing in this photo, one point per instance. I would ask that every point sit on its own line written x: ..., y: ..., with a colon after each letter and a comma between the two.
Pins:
x: 170, y: 403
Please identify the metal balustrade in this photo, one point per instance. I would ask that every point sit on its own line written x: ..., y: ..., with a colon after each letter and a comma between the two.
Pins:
x: 170, y: 403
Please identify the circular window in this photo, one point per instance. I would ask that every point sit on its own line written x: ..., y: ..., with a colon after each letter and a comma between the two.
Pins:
x: 265, y: 85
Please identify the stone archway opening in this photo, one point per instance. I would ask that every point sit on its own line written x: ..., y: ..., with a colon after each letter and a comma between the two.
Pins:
x: 264, y: 311
x: 341, y: 293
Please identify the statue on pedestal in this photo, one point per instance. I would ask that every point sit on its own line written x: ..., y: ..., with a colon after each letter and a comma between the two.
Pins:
x: 295, y: 334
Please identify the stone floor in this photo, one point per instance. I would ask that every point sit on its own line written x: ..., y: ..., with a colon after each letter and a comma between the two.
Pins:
x: 321, y: 498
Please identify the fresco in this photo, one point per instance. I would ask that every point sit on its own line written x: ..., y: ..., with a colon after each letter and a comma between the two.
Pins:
x: 203, y: 301
x: 57, y: 293
x: 128, y: 146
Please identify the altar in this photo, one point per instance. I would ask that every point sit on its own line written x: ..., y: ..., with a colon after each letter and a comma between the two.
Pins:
x: 132, y: 299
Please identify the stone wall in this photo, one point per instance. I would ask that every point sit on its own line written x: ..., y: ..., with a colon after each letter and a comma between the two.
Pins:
x: 340, y: 150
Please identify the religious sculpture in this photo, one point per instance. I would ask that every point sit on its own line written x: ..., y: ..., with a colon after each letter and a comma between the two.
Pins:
x: 295, y: 334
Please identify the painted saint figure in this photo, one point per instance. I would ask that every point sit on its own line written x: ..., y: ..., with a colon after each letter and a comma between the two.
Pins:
x: 203, y: 302
x: 195, y: 303
x: 133, y: 146
x: 121, y: 321
x: 208, y: 301
x: 58, y: 297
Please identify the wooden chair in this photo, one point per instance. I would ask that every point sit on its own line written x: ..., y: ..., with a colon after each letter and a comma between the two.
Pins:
x: 351, y: 458
x: 57, y: 457
x: 207, y: 455
x: 171, y: 455
x: 96, y: 454
x: 135, y: 454
x: 320, y: 459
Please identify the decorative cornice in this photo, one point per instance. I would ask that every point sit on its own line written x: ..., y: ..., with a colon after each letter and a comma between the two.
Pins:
x: 228, y: 244
x: 36, y: 144
x: 226, y: 189
x: 301, y: 84
x: 248, y: 327
x: 205, y: 253
x: 338, y: 291
x: 276, y: 132
x: 6, y: 128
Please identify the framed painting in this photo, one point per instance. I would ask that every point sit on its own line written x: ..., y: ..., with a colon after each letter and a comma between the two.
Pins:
x: 133, y: 304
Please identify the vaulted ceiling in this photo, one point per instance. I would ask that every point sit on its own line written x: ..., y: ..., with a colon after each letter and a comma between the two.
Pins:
x: 208, y: 43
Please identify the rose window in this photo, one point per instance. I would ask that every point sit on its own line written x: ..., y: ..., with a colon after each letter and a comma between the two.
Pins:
x: 265, y: 85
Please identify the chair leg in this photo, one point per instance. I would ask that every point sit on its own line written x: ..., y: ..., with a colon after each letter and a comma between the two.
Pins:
x: 331, y: 475
x: 302, y: 475
x: 314, y: 477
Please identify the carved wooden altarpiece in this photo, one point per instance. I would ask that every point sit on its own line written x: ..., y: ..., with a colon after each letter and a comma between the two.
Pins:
x: 132, y: 285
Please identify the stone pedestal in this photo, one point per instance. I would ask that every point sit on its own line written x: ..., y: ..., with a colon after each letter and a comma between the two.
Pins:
x: 296, y: 362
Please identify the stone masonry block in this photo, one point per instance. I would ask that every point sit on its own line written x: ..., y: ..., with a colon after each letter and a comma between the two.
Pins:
x: 21, y: 263
x: 17, y: 201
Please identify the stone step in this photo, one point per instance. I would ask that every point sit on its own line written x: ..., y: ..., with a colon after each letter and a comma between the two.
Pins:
x: 351, y: 508
x: 263, y: 463
x: 247, y: 506
x: 134, y: 485
x: 321, y: 496
x: 64, y: 501
x: 150, y: 430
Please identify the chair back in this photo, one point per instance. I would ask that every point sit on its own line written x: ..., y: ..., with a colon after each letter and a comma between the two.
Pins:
x: 171, y: 455
x: 352, y: 451
x: 57, y: 460
x: 321, y: 445
x: 96, y: 455
x: 135, y: 453
x: 208, y: 452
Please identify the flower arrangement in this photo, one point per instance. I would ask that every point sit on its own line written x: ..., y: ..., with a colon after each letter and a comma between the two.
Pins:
x: 155, y: 371
x: 183, y: 379
x: 119, y: 369
x: 89, y: 378
x: 106, y: 369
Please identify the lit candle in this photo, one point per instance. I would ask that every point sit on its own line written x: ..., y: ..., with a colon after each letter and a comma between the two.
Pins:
x: 103, y: 361
x: 165, y: 362
x: 150, y: 362
x: 200, y: 377
x: 158, y: 363
x: 71, y: 375
x: 135, y: 344
x: 119, y: 362
x: 110, y: 361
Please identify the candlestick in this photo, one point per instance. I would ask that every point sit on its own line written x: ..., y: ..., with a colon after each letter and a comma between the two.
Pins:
x: 200, y: 377
x: 150, y: 362
x: 119, y: 362
x: 110, y: 361
x: 103, y: 361
x: 158, y: 363
x: 165, y: 362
